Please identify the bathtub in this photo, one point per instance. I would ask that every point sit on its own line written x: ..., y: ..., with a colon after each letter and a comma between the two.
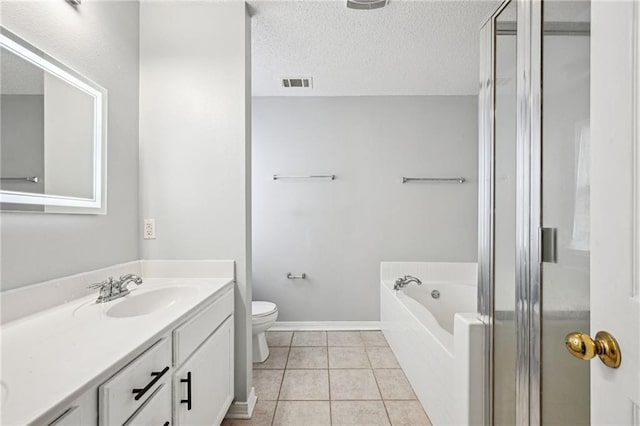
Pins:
x: 438, y: 341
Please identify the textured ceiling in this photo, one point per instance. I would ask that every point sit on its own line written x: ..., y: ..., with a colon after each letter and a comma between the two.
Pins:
x: 428, y: 47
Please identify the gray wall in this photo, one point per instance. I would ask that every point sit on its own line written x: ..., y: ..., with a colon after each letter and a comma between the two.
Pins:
x: 195, y: 143
x: 339, y: 231
x: 100, y: 40
x: 22, y: 152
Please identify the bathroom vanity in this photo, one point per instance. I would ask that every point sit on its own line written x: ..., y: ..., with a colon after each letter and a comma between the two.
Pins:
x: 161, y: 355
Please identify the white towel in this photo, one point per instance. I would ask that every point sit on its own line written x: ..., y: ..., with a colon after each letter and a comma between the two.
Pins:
x: 581, y: 209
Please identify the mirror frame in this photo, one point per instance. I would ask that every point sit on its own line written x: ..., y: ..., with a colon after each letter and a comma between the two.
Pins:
x: 60, y: 203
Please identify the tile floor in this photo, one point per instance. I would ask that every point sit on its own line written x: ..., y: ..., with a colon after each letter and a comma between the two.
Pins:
x: 332, y: 378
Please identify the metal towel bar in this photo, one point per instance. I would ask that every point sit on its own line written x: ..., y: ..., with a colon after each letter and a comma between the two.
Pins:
x: 433, y: 179
x: 296, y: 277
x: 32, y: 179
x: 331, y: 177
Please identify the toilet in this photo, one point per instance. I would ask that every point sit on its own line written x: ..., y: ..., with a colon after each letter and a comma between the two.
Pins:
x: 264, y: 314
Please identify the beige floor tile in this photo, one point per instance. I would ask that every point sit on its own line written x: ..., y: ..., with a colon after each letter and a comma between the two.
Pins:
x: 382, y: 357
x: 298, y: 413
x: 348, y: 357
x: 393, y: 384
x: 305, y: 385
x: 358, y: 413
x: 267, y: 384
x: 373, y: 338
x: 353, y: 385
x: 308, y: 357
x: 344, y: 338
x: 277, y: 359
x: 408, y: 413
x: 262, y: 415
x: 279, y: 338
x: 309, y: 338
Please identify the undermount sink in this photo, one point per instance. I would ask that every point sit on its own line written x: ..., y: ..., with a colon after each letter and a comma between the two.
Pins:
x: 139, y: 303
x: 145, y: 303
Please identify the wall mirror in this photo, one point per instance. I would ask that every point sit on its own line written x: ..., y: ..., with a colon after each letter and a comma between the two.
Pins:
x: 52, y: 133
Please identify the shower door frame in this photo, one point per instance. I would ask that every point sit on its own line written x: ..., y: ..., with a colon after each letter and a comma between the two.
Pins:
x: 528, y: 207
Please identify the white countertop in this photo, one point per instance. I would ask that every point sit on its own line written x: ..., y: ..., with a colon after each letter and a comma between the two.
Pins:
x: 52, y: 357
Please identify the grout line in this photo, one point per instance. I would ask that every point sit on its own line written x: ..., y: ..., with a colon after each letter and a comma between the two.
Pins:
x: 286, y: 363
x: 381, y: 397
x: 329, y: 382
x: 284, y: 371
x: 281, y: 382
x: 273, y: 416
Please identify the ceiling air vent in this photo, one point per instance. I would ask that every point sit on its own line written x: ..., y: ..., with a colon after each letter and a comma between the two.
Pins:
x: 297, y: 82
x: 366, y: 4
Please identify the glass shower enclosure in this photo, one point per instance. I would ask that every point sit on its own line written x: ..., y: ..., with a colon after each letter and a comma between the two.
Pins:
x: 534, y: 210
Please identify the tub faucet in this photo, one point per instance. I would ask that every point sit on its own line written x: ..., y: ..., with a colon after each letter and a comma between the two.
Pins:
x: 111, y: 289
x: 404, y: 281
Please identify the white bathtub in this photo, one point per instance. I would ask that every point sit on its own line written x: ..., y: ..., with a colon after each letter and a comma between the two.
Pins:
x: 438, y: 342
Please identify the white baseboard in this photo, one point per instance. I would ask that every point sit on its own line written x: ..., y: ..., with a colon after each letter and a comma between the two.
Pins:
x: 325, y: 325
x: 243, y: 409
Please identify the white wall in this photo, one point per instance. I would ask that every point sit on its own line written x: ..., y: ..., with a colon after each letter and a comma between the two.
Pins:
x: 195, y: 143
x: 68, y: 136
x: 339, y: 231
x: 99, y: 39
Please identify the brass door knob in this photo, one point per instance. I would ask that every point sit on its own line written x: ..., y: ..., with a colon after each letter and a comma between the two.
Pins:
x: 605, y: 346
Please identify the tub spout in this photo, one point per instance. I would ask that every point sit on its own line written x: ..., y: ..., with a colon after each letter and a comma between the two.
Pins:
x: 405, y: 281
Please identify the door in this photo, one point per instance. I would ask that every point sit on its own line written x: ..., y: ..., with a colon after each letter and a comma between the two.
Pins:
x: 203, y: 386
x: 615, y: 211
x: 561, y: 394
x: 588, y: 211
x: 589, y: 200
x: 570, y: 262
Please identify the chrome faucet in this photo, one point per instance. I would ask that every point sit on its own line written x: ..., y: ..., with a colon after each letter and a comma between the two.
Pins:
x: 405, y: 281
x: 111, y: 289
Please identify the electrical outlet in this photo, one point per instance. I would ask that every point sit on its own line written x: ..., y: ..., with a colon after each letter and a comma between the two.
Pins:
x: 149, y: 230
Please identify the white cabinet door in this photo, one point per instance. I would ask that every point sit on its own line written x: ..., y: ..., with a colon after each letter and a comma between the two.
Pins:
x: 203, y: 386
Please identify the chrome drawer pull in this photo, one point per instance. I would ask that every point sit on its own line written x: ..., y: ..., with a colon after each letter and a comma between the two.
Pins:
x: 188, y: 382
x: 156, y: 376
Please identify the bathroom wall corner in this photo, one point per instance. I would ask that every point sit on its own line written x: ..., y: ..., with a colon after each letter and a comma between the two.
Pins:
x: 195, y: 145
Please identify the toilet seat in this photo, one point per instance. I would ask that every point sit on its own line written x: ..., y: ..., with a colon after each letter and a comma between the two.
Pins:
x: 262, y: 309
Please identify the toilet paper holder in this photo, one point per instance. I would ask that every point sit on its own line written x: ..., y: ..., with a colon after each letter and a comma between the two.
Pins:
x: 296, y: 277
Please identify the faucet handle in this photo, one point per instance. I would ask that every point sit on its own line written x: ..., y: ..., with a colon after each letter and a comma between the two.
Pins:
x: 104, y: 283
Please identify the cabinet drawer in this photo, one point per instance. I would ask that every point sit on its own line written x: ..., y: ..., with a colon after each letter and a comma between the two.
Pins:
x: 191, y: 334
x: 70, y: 417
x: 156, y: 411
x: 145, y: 374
